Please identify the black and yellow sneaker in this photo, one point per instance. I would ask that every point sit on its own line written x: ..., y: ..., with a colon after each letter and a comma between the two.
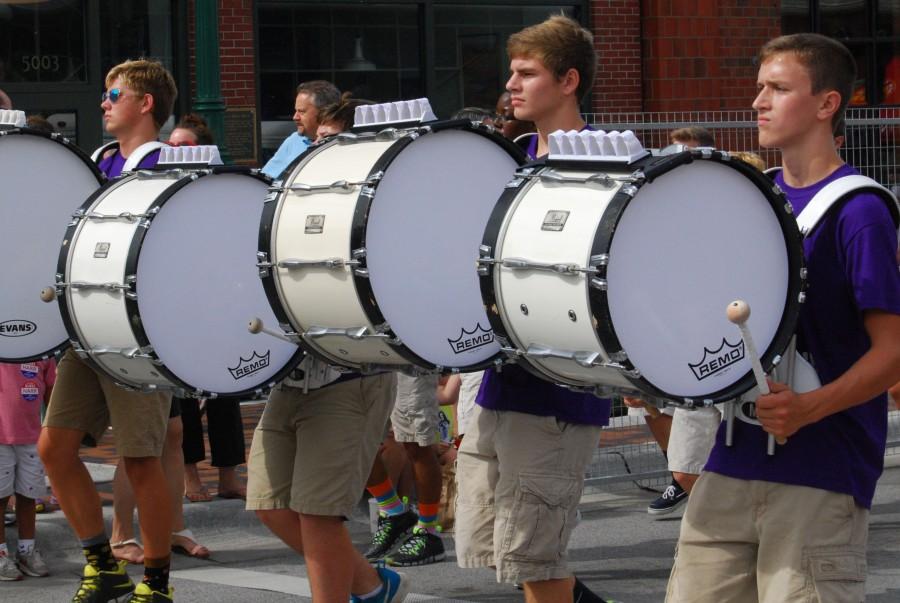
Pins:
x: 421, y: 548
x: 101, y: 586
x: 390, y: 530
x: 144, y: 594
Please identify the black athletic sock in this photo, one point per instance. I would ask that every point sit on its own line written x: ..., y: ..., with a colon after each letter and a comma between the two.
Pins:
x: 156, y: 574
x: 582, y: 594
x: 99, y: 554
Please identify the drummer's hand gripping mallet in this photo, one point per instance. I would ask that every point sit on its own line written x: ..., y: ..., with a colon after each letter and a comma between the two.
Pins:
x: 738, y: 312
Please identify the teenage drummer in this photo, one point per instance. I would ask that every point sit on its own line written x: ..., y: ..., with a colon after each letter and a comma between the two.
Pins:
x: 521, y: 465
x: 139, y: 98
x: 794, y: 525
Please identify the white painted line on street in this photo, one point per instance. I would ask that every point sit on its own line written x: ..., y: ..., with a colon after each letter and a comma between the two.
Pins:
x: 279, y: 583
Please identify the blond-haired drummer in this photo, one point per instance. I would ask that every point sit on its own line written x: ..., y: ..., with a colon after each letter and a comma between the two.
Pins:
x: 138, y: 100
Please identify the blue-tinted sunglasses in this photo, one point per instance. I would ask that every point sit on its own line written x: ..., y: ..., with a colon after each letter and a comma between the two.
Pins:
x: 113, y: 95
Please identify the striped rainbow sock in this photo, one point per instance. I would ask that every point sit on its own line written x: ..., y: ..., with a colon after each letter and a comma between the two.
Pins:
x: 428, y: 517
x: 389, y: 503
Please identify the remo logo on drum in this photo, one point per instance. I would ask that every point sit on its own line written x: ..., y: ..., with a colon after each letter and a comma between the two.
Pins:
x: 715, y: 361
x: 248, y: 366
x: 470, y: 340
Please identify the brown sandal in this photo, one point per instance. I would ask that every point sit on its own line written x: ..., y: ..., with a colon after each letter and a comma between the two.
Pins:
x: 120, y: 548
x: 201, y: 495
x: 185, y: 543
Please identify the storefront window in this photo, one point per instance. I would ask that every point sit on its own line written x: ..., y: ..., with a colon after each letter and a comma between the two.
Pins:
x: 372, y: 51
x: 43, y: 41
x: 131, y: 30
x: 471, y: 66
x: 869, y: 28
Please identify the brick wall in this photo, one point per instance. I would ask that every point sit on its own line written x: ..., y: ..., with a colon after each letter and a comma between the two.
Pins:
x: 617, y: 37
x: 699, y: 54
x: 236, y: 52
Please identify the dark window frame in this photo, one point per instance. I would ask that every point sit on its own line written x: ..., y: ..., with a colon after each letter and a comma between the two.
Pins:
x: 872, y: 41
x: 426, y: 26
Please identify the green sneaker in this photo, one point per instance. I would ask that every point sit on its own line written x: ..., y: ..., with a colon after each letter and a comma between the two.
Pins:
x: 101, y: 586
x: 421, y: 548
x: 143, y: 594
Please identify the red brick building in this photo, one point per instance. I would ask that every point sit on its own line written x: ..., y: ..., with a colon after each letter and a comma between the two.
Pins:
x: 655, y: 55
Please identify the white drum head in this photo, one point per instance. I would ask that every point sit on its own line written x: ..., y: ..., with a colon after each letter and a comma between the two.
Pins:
x: 198, y: 287
x: 422, y: 238
x: 691, y: 242
x: 43, y: 183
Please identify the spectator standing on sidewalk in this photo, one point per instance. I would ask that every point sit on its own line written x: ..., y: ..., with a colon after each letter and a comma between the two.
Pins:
x: 23, y: 388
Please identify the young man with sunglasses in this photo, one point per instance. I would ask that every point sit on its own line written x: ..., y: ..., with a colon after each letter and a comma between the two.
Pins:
x: 139, y: 99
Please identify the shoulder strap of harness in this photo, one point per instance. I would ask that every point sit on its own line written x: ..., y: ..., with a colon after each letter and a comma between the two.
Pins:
x: 140, y: 154
x: 838, y: 190
x: 98, y: 155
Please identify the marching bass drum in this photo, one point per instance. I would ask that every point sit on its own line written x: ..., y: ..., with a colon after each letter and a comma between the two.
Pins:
x: 619, y: 279
x: 45, y: 178
x: 157, y: 281
x: 367, y: 245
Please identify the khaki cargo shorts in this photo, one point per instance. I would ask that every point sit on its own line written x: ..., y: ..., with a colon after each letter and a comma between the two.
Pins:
x: 87, y: 400
x: 746, y: 541
x: 313, y: 452
x: 518, y: 514
x: 416, y: 417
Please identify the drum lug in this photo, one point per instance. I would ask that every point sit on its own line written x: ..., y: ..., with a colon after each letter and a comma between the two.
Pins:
x: 619, y: 356
x: 361, y: 272
x: 263, y: 263
x: 599, y: 283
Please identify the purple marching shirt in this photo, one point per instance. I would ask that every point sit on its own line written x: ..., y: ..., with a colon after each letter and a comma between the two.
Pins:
x: 852, y: 267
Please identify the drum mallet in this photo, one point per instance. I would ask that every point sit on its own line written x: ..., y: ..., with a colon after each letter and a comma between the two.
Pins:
x: 257, y: 326
x: 738, y: 312
x: 48, y: 294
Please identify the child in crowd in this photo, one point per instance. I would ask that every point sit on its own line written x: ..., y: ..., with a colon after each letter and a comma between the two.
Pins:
x: 23, y: 388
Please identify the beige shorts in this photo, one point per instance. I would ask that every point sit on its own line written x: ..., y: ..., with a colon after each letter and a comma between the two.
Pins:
x: 415, y: 417
x: 21, y: 471
x: 313, y: 452
x: 518, y: 515
x: 86, y: 400
x: 746, y: 541
x: 691, y: 438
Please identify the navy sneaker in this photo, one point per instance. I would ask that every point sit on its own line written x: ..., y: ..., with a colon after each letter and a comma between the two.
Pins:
x: 395, y: 587
x: 421, y: 548
x: 391, y: 528
x: 672, y: 498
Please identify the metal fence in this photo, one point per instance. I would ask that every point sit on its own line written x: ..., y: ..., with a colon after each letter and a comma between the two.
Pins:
x: 628, y: 455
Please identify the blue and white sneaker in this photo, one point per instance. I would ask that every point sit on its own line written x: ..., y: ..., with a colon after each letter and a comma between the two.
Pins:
x: 395, y: 587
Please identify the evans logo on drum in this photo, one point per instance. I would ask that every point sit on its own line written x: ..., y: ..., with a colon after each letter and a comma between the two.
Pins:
x: 248, y: 366
x: 470, y: 340
x: 17, y: 328
x: 715, y: 361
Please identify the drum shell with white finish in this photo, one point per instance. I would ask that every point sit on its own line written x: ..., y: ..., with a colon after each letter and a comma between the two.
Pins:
x: 189, y: 262
x: 45, y: 179
x: 368, y: 226
x: 651, y: 277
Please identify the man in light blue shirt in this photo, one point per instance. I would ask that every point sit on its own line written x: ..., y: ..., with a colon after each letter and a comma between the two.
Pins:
x: 311, y: 98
